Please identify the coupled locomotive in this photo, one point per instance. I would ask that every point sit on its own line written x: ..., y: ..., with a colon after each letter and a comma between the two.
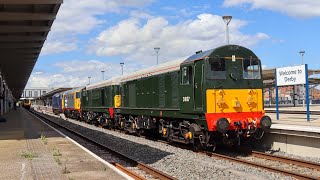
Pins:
x: 26, y: 103
x: 215, y: 96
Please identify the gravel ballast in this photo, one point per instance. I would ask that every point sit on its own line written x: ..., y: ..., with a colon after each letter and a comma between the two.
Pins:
x: 177, y: 162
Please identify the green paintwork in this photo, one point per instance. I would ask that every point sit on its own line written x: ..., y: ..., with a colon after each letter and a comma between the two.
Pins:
x: 167, y: 95
x: 100, y: 99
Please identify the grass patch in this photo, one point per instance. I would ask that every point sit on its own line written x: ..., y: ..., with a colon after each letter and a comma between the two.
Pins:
x: 65, y: 170
x: 29, y: 155
x: 58, y: 161
x: 44, y: 139
x: 56, y: 152
x: 71, y: 178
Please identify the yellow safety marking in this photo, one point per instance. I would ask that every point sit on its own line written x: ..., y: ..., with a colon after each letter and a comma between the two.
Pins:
x: 76, y: 100
x: 117, y: 101
x: 234, y: 100
x: 62, y: 102
x: 235, y: 103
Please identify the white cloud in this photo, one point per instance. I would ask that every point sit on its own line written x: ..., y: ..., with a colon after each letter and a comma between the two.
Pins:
x: 135, y: 40
x: 81, y: 17
x: 55, y: 47
x: 75, y: 73
x: 295, y: 8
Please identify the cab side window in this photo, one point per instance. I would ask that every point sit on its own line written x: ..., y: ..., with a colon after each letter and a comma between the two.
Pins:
x: 216, y: 68
x: 77, y: 95
x: 251, y: 69
x: 186, y: 75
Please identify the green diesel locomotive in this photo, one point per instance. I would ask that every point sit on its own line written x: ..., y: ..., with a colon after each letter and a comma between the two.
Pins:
x: 211, y: 97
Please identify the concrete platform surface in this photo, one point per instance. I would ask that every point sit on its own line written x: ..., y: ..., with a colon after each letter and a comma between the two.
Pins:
x: 296, y: 122
x: 295, y: 119
x: 298, y: 108
x: 29, y: 149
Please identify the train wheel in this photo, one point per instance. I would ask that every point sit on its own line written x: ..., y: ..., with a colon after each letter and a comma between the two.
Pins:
x: 170, y: 135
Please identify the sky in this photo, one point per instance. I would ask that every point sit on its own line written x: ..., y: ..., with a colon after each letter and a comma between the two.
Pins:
x: 90, y: 36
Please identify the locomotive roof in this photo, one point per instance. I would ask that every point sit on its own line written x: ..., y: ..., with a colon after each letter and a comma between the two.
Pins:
x: 222, y: 51
x: 57, y: 94
x: 112, y: 81
x: 158, y: 69
x: 72, y: 90
x: 154, y: 70
x: 170, y: 66
x: 200, y: 55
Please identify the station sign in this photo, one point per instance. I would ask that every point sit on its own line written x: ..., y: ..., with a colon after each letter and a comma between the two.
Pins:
x: 291, y: 75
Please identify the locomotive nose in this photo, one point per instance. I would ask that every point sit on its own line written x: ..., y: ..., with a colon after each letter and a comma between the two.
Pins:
x: 265, y: 122
x: 222, y: 125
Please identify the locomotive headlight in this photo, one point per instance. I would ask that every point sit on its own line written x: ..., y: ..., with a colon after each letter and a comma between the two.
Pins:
x: 265, y: 122
x: 222, y: 125
x: 235, y: 103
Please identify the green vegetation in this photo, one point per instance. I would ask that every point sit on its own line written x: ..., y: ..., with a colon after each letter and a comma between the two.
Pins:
x: 29, y: 155
x: 58, y: 160
x: 56, y: 152
x: 65, y: 170
x: 44, y: 139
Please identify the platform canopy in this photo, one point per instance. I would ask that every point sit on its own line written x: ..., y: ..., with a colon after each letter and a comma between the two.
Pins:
x: 24, y: 26
x: 51, y: 93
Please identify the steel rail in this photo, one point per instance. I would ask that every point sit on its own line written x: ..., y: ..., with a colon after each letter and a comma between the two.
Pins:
x: 288, y: 160
x: 238, y: 160
x: 253, y: 164
x: 128, y: 172
x: 257, y: 165
x: 142, y: 166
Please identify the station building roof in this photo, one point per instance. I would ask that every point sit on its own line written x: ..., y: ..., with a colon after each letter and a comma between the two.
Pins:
x: 24, y: 26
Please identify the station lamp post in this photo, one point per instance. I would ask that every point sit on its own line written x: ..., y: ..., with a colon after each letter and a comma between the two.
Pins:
x: 227, y: 20
x: 157, y: 49
x: 89, y: 79
x: 302, y: 52
x: 102, y: 75
x: 121, y: 64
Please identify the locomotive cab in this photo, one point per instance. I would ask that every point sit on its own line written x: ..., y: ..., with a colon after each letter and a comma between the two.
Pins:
x: 226, y: 85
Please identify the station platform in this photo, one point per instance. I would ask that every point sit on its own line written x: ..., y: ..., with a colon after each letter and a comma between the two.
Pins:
x: 295, y: 118
x: 292, y: 133
x: 314, y: 107
x: 29, y: 149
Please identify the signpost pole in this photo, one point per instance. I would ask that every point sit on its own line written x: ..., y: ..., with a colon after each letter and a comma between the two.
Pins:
x: 277, y: 94
x: 288, y: 76
x: 307, y: 94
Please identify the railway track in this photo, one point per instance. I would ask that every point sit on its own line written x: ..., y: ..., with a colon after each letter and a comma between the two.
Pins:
x: 298, y: 162
x: 286, y: 160
x: 282, y: 159
x: 257, y: 154
x: 293, y: 112
x: 259, y: 165
x: 121, y: 158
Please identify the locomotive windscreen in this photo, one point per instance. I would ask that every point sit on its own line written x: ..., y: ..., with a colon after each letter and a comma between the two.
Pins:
x: 251, y: 69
